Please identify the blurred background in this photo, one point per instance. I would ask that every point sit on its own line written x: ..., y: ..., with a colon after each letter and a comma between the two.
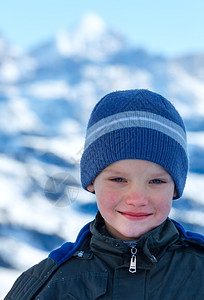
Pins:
x: 57, y: 59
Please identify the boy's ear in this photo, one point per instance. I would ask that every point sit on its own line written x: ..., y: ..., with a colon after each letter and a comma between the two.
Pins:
x: 90, y: 187
x: 175, y: 192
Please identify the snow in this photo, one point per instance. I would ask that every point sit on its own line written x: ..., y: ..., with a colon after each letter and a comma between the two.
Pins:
x: 9, y: 71
x: 191, y: 88
x: 192, y: 217
x: 194, y: 188
x: 196, y: 138
x: 117, y: 77
x: 7, y: 279
x: 50, y: 89
x: 17, y: 116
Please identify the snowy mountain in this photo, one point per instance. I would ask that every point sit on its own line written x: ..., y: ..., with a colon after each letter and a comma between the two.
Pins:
x: 45, y: 100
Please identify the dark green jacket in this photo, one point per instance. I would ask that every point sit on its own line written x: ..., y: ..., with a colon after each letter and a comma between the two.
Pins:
x: 170, y: 266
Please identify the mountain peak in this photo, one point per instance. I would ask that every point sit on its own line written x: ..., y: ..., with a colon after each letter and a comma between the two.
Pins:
x: 91, y: 25
x: 91, y: 39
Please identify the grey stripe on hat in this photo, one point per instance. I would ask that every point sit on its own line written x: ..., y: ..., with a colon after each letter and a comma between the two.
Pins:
x: 129, y: 119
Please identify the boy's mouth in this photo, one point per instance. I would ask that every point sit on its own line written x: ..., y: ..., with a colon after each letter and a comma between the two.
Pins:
x: 135, y: 216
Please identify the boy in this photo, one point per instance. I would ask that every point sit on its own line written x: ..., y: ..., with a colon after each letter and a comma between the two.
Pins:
x: 135, y: 160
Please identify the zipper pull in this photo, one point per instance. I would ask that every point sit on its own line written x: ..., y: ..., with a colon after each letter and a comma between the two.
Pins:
x: 132, y: 268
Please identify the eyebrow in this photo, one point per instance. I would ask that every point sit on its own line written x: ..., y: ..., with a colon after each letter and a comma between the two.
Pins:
x: 123, y: 173
x: 110, y: 170
x: 161, y: 174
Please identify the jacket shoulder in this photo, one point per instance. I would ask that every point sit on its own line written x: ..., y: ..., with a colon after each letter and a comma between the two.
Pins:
x: 63, y: 253
x: 29, y: 283
x: 31, y: 280
x: 189, y: 236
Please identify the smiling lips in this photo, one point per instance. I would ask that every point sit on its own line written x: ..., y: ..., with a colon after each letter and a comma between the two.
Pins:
x: 135, y: 216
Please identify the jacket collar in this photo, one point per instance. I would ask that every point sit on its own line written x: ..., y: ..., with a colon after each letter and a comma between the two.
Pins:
x: 63, y: 253
x: 162, y: 236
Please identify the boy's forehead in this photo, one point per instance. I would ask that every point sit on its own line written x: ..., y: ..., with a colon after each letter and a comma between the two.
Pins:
x: 127, y: 165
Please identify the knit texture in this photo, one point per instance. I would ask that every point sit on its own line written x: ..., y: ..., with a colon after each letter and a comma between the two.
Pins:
x: 135, y: 124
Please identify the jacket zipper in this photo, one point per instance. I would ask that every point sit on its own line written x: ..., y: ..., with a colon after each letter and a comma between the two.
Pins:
x: 133, y: 260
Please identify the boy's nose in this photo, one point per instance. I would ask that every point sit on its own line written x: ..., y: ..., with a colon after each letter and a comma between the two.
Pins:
x: 136, y: 195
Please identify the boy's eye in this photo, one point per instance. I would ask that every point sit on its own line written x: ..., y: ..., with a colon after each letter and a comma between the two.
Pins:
x: 157, y: 181
x: 118, y: 179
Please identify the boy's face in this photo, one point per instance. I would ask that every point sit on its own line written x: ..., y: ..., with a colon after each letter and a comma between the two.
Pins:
x: 133, y: 196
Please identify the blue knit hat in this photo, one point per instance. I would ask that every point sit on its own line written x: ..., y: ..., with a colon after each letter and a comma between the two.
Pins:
x: 135, y: 124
